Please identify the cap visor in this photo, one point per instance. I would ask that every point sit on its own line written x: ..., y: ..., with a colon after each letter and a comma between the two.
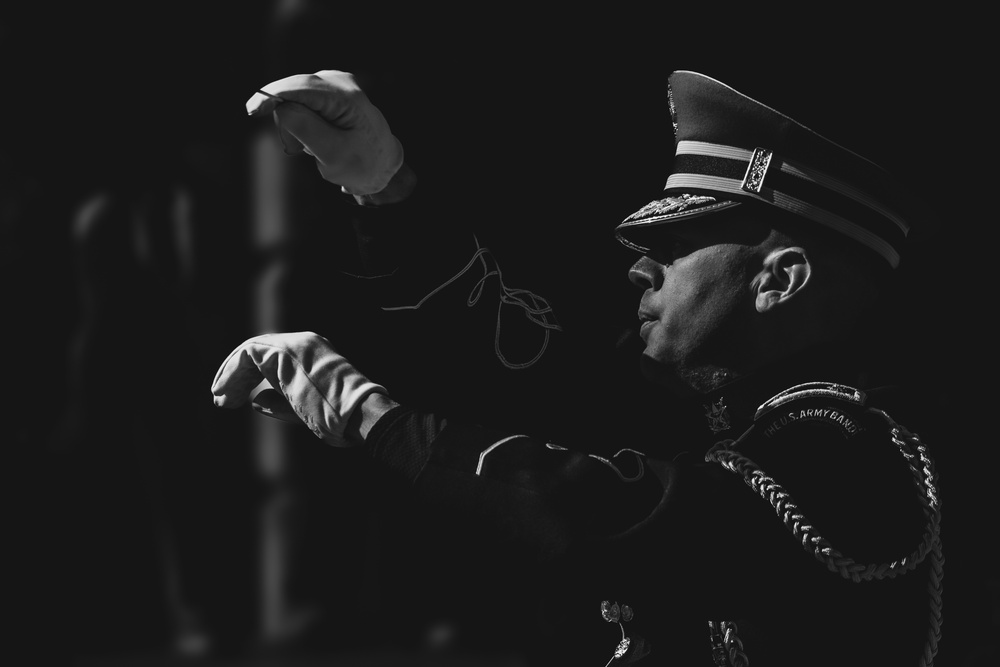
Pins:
x: 664, y: 211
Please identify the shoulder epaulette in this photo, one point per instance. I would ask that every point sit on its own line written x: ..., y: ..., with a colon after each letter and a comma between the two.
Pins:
x: 845, y: 407
x: 829, y: 402
x: 839, y: 392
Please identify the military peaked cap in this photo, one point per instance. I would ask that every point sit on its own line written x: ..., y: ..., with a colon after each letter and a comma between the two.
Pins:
x: 729, y: 149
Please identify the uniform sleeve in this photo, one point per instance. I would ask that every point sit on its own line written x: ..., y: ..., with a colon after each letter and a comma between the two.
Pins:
x: 554, y: 501
x: 681, y: 541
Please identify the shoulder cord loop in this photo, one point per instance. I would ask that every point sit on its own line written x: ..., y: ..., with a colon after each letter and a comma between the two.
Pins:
x: 536, y: 308
x: 925, y: 479
x: 622, y: 647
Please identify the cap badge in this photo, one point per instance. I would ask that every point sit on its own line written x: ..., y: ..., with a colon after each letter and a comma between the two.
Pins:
x: 671, y: 205
x: 753, y: 181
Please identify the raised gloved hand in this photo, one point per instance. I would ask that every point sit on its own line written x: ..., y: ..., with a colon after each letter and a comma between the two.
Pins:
x: 328, y: 116
x: 322, y: 386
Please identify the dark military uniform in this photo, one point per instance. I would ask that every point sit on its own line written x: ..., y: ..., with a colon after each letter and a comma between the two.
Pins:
x: 810, y: 529
x: 786, y: 518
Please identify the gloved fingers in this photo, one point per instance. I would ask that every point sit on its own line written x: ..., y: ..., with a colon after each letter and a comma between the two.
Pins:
x: 275, y: 357
x: 289, y: 143
x: 322, y: 387
x: 329, y: 117
x: 332, y: 94
x: 301, y: 129
x: 238, y: 375
x: 262, y: 104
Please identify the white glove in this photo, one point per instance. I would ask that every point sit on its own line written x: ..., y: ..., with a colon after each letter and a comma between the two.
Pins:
x: 328, y: 116
x: 321, y: 386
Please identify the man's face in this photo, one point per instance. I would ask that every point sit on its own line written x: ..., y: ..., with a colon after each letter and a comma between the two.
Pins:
x: 697, y: 307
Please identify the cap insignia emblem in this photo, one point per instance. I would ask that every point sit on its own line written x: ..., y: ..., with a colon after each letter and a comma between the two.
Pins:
x: 753, y: 181
x: 671, y: 205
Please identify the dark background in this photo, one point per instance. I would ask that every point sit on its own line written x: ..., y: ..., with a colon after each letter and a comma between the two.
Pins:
x: 548, y: 128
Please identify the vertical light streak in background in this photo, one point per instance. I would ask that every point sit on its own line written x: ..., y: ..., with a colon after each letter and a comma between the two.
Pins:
x: 271, y: 227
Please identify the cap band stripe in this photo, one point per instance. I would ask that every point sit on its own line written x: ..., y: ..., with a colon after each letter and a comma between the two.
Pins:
x: 844, y: 189
x: 701, y: 182
x: 811, y: 175
x: 688, y: 147
x: 844, y: 226
x: 791, y: 186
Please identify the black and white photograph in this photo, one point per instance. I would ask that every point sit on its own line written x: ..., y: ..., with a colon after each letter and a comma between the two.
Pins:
x: 374, y: 335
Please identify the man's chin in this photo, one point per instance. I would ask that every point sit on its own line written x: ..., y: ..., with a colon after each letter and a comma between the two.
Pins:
x: 683, y: 381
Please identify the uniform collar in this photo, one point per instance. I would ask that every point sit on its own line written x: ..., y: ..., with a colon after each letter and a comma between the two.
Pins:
x: 729, y: 410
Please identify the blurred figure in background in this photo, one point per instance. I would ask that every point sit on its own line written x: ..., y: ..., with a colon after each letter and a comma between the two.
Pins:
x: 156, y: 537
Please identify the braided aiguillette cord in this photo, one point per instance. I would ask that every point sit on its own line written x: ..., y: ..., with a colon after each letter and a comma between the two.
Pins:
x: 921, y: 465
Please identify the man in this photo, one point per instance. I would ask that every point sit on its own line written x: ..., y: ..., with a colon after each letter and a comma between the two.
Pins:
x: 766, y: 249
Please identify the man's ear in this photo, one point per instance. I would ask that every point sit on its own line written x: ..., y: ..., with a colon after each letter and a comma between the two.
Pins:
x: 785, y: 272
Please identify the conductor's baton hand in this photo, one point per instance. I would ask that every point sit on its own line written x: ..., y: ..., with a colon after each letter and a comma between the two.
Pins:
x: 322, y: 387
x: 329, y: 117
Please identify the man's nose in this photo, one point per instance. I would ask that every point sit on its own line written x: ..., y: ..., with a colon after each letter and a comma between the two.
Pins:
x: 647, y: 273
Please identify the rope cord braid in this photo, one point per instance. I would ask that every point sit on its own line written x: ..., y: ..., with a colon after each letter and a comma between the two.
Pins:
x: 536, y: 308
x: 922, y: 468
x: 727, y: 647
x: 734, y: 645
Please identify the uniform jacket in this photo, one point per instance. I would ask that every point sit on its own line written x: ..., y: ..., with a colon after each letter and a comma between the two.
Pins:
x: 804, y: 525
